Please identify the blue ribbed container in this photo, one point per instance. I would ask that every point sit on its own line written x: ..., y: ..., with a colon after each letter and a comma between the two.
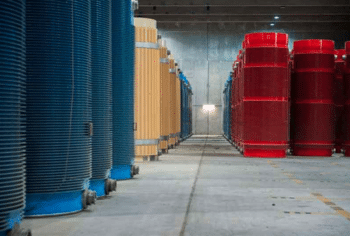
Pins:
x: 189, y: 110
x: 123, y: 89
x: 58, y: 106
x: 228, y: 110
x: 185, y: 107
x: 101, y: 47
x: 182, y: 89
x: 12, y: 113
x: 224, y: 113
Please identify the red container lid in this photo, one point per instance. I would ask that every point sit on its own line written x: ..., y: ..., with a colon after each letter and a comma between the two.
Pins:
x: 347, y: 47
x: 314, y: 46
x: 339, y: 54
x: 271, y: 39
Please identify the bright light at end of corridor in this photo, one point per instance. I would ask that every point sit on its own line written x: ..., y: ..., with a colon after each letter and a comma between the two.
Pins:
x: 208, y: 108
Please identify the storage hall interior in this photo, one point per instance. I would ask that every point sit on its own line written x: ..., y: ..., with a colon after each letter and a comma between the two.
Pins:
x: 174, y: 117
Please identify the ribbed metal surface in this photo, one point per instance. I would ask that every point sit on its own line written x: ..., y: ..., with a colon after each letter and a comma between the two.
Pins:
x: 228, y: 111
x: 12, y: 112
x: 264, y: 94
x: 227, y: 108
x: 58, y: 91
x: 312, y: 97
x: 123, y: 40
x: 339, y: 99
x: 346, y: 143
x: 101, y: 54
x: 185, y: 107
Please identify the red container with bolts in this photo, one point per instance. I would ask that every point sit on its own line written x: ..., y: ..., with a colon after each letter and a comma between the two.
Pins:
x: 265, y: 96
x: 312, y: 98
x: 239, y: 102
x: 339, y: 99
x: 346, y: 143
x: 291, y: 116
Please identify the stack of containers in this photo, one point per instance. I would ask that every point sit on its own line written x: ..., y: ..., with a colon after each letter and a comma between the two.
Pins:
x: 123, y: 65
x: 291, y: 110
x: 147, y: 87
x: 177, y: 108
x: 346, y: 144
x: 164, y: 97
x: 227, y: 108
x: 312, y: 98
x: 238, y: 100
x: 184, y: 107
x: 265, y: 91
x: 190, y: 111
x: 234, y: 105
x: 186, y: 103
x: 224, y: 121
x: 12, y: 114
x: 339, y: 99
x: 58, y: 133
x: 101, y: 77
x: 229, y: 104
x: 172, y: 93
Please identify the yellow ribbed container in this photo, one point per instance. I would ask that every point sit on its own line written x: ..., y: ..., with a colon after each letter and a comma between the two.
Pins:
x: 177, y: 108
x: 164, y: 97
x: 172, y: 93
x: 147, y: 87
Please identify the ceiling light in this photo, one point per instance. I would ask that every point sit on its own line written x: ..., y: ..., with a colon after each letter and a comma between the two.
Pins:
x: 272, y: 24
x: 276, y: 17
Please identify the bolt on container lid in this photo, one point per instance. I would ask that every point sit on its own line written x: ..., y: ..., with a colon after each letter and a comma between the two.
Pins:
x: 314, y: 46
x: 339, y: 54
x: 270, y: 39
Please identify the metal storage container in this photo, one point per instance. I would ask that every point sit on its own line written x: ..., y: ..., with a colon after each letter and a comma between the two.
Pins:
x: 101, y: 55
x: 123, y: 66
x: 147, y: 87
x: 183, y: 106
x: 312, y: 98
x: 339, y: 99
x: 227, y: 109
x: 172, y: 133
x: 264, y: 94
x: 164, y: 97
x: 58, y: 107
x: 190, y: 115
x: 12, y: 113
x: 177, y: 108
x: 346, y: 144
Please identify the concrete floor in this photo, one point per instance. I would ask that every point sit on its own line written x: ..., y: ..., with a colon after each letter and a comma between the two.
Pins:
x: 205, y: 187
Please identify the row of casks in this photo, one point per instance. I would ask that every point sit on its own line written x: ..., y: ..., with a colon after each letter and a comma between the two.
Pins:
x: 58, y: 92
x: 157, y: 93
x: 227, y: 108
x: 274, y: 109
x: 186, y: 107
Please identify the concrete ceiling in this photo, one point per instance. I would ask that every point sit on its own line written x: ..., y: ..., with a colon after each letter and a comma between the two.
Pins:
x: 332, y: 14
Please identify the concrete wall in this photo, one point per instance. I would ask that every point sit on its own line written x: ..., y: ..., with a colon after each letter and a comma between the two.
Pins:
x: 205, y: 53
